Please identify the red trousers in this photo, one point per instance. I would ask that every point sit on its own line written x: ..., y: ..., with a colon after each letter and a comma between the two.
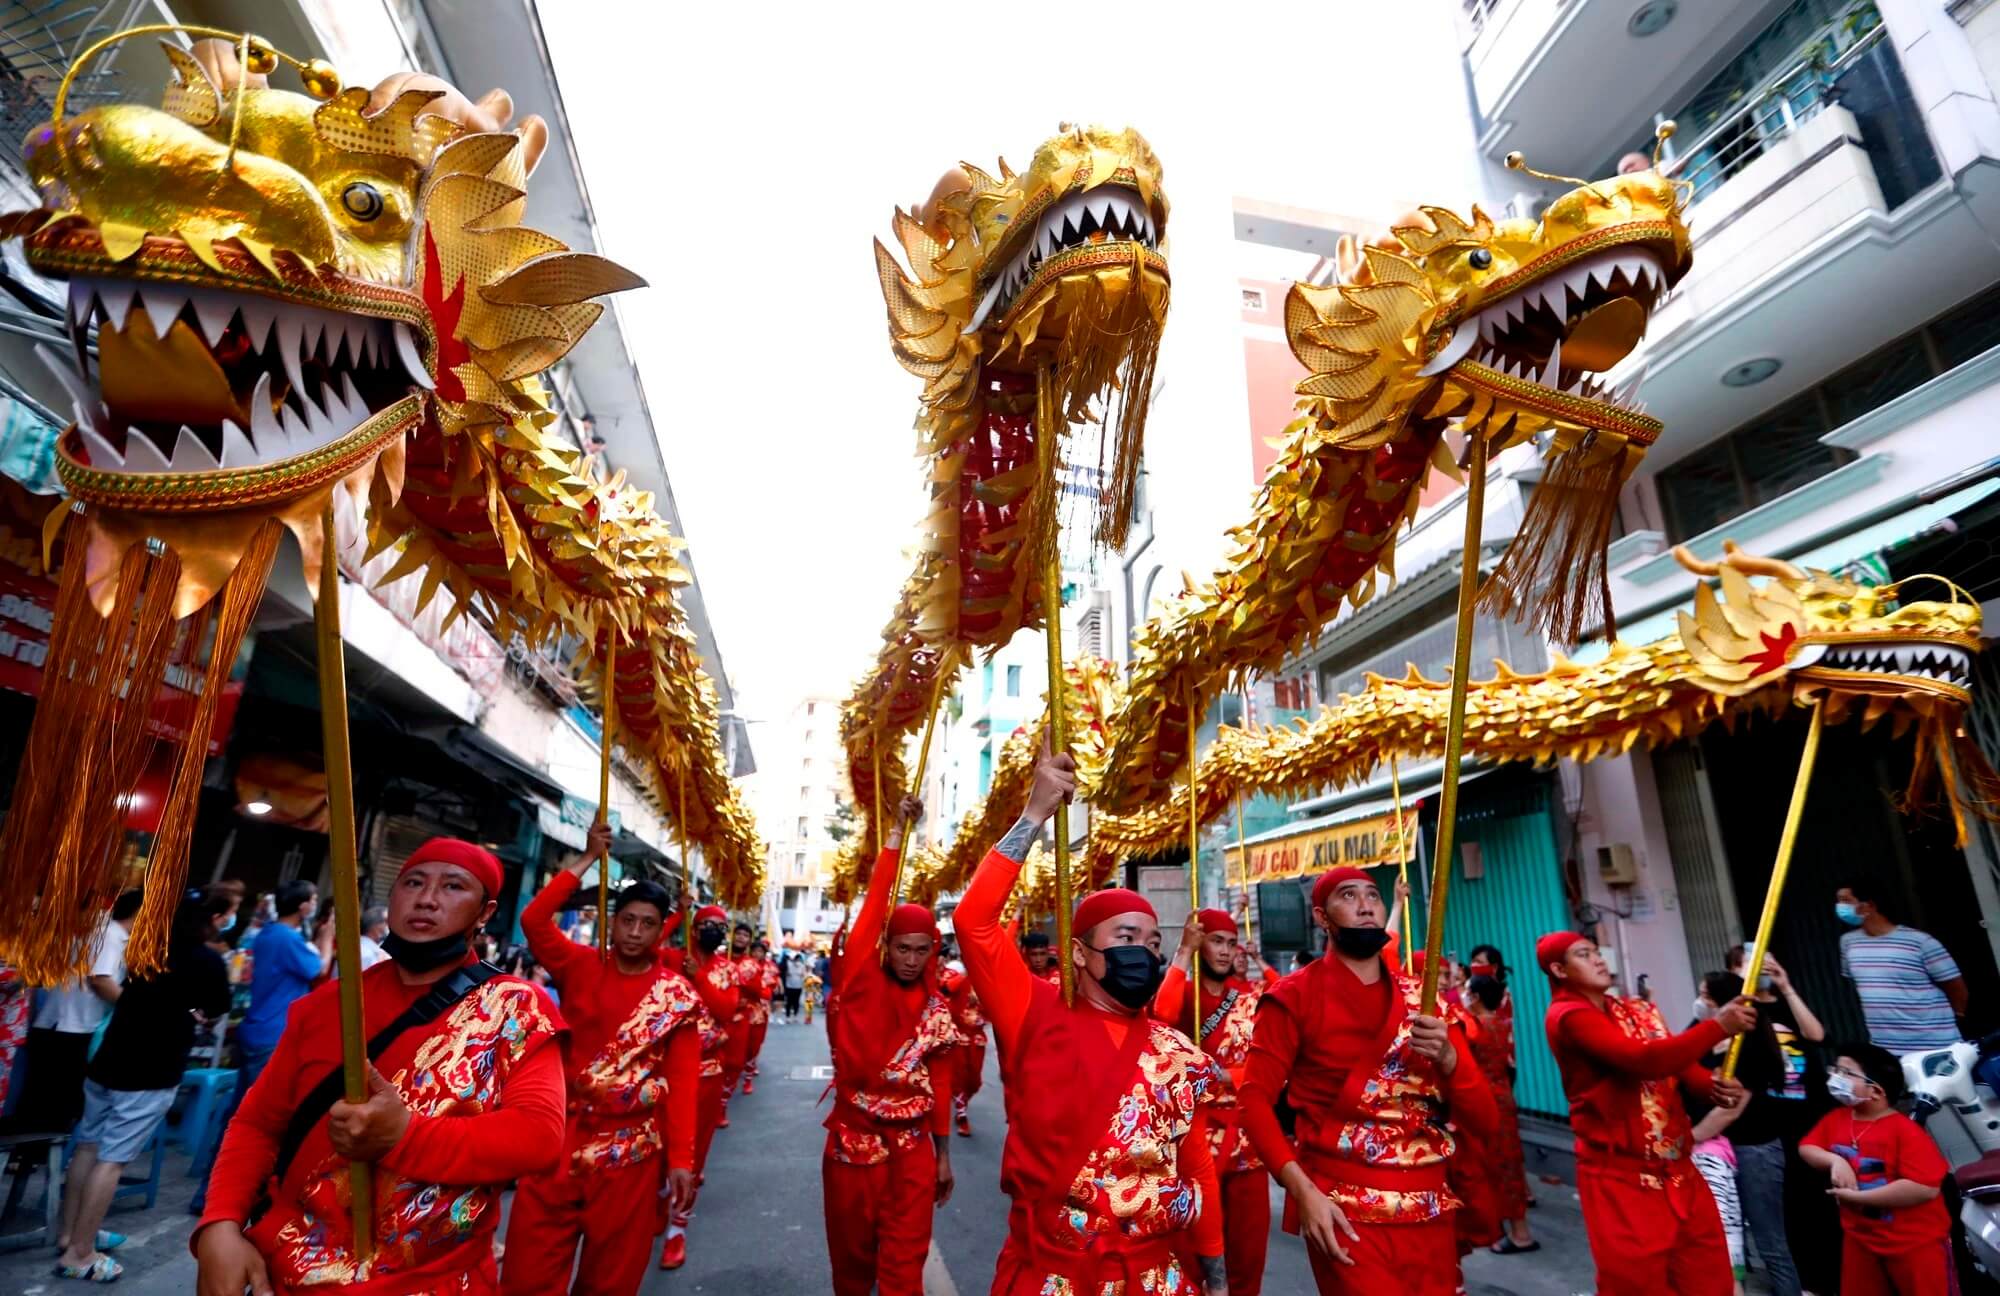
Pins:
x: 1654, y: 1241
x: 969, y: 1068
x: 707, y: 1118
x: 1246, y: 1229
x: 1391, y: 1260
x: 735, y: 1056
x: 757, y: 1033
x: 878, y: 1221
x: 612, y: 1211
x: 1925, y: 1270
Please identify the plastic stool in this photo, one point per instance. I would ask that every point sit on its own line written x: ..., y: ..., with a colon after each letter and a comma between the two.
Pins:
x: 204, y: 1097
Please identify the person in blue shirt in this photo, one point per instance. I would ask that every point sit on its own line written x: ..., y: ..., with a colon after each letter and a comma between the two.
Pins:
x: 283, y: 966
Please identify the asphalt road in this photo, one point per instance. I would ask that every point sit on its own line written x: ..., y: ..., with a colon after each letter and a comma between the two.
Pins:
x: 759, y: 1227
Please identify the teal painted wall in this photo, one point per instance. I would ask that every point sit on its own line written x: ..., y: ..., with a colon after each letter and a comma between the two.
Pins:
x: 1519, y: 898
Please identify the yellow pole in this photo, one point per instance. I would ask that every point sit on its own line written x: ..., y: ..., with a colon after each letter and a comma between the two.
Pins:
x: 1047, y: 420
x: 687, y: 865
x: 1194, y: 869
x: 1243, y: 867
x: 604, y: 791
x: 946, y: 665
x: 1454, y: 734
x: 1402, y: 854
x: 1796, y: 811
x: 346, y: 874
x: 875, y: 763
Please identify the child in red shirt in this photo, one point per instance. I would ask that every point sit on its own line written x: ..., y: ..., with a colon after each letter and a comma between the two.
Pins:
x: 1885, y: 1173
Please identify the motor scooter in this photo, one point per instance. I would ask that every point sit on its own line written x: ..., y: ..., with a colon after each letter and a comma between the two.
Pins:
x: 1953, y: 1094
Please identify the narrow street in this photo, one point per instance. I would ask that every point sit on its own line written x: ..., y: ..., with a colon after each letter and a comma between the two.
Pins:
x: 759, y: 1228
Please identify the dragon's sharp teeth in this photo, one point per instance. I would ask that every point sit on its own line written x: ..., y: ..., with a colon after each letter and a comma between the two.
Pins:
x: 986, y: 303
x: 303, y: 431
x: 357, y: 409
x: 259, y: 314
x: 264, y: 429
x: 82, y: 296
x: 190, y: 455
x: 116, y: 298
x: 292, y: 338
x: 102, y: 456
x: 1552, y: 371
x: 213, y: 311
x: 141, y: 455
x: 412, y: 357
x: 163, y: 306
x: 236, y: 451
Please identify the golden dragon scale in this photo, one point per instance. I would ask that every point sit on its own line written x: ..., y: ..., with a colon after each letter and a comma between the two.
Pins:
x: 1050, y: 284
x: 314, y: 305
x: 1497, y: 329
x: 1871, y: 655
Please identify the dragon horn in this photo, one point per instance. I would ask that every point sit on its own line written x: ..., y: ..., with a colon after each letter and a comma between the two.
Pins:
x: 1685, y: 557
x: 1753, y: 565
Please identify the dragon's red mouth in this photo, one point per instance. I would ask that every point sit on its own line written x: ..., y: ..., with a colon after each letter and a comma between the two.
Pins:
x: 201, y: 379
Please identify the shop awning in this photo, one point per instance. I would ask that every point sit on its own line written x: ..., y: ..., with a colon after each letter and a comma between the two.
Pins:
x: 1854, y: 547
x: 1419, y: 779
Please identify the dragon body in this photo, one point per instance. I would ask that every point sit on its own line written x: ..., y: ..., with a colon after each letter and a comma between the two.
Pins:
x: 1759, y: 648
x: 326, y: 304
x: 1029, y: 299
x: 1500, y: 330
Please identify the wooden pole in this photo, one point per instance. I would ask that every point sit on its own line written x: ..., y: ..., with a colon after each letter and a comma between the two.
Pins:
x: 1047, y: 420
x: 687, y: 865
x: 604, y: 791
x: 1454, y: 733
x: 1194, y: 870
x: 346, y: 872
x: 875, y: 762
x: 1402, y: 855
x: 1793, y: 813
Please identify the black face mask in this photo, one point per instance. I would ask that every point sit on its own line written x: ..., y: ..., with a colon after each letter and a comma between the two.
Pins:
x: 426, y: 956
x: 1132, y: 974
x: 1359, y: 942
x: 710, y: 938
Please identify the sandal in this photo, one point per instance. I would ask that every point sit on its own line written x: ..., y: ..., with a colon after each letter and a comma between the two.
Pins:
x: 101, y: 1270
x: 1508, y: 1246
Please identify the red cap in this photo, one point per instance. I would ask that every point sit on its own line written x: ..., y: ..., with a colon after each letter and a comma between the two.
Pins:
x: 710, y: 913
x: 476, y: 860
x: 1553, y: 947
x: 911, y: 920
x: 1324, y: 887
x: 1099, y: 905
x: 1214, y: 921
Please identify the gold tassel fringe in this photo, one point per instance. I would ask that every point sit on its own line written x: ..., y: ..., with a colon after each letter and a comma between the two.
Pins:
x: 1555, y: 575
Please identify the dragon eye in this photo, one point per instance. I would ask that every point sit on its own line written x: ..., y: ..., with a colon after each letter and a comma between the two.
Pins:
x: 1479, y: 258
x: 362, y: 201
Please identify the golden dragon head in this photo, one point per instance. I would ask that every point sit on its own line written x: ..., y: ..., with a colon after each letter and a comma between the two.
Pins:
x: 1060, y: 266
x: 1506, y: 328
x: 282, y: 285
x: 1827, y: 634
x: 1850, y: 647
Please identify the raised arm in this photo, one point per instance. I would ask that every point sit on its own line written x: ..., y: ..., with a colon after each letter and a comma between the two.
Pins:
x: 553, y: 950
x: 874, y: 915
x: 1000, y: 977
x: 1598, y: 1038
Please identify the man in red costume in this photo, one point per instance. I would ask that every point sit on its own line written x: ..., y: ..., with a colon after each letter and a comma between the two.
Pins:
x: 714, y: 979
x: 1228, y: 1016
x: 1373, y: 1083
x: 1107, y: 1158
x: 743, y: 965
x: 1652, y: 1223
x: 466, y: 1095
x: 968, y: 1069
x: 1041, y: 956
x: 760, y: 1010
x: 634, y: 1070
x: 887, y: 1164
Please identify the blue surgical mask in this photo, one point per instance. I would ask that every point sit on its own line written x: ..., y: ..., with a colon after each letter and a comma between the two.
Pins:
x: 230, y: 926
x: 1847, y: 913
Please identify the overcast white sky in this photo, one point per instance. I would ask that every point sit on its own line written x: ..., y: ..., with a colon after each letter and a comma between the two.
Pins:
x: 741, y: 157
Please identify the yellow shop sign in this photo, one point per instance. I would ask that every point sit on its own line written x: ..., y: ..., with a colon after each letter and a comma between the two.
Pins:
x: 1363, y: 843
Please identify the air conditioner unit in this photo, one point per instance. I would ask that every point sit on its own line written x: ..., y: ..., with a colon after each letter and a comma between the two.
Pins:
x: 1617, y: 865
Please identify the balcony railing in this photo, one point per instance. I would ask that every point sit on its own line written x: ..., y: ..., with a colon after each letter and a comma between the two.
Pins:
x: 1475, y: 14
x: 1789, y: 97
